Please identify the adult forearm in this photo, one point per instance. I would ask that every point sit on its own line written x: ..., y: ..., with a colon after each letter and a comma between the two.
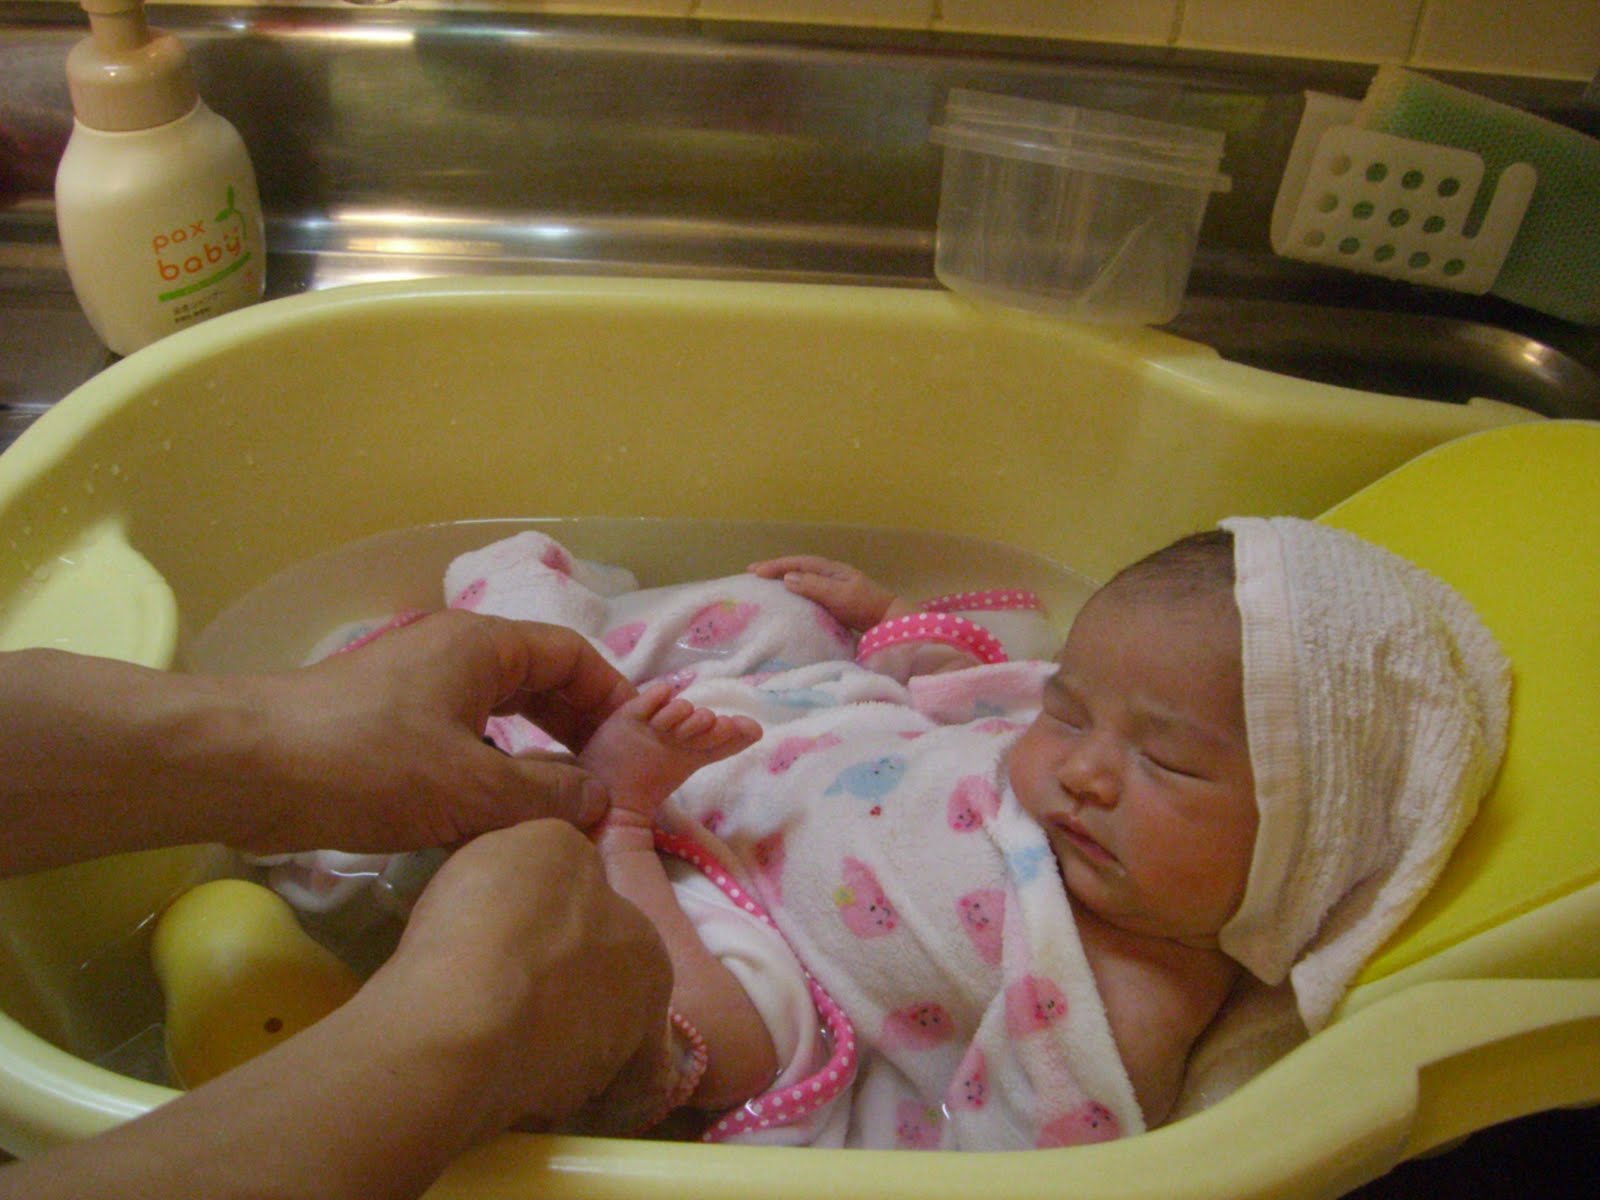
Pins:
x: 102, y: 756
x: 365, y: 1105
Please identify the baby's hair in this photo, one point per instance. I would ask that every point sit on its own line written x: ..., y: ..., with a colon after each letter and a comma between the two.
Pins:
x: 1200, y: 564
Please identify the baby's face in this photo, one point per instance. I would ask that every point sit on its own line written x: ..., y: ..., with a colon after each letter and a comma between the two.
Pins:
x: 1138, y: 766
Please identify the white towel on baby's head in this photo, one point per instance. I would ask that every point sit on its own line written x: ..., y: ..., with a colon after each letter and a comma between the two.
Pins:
x: 1376, y: 703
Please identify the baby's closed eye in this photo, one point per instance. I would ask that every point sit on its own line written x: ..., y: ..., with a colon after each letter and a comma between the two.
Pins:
x: 1178, y: 763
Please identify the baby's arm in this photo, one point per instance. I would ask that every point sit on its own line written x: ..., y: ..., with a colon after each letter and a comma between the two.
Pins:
x: 644, y: 752
x: 859, y: 603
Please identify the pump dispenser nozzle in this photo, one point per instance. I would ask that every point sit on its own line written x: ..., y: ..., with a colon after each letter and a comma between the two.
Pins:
x: 125, y: 75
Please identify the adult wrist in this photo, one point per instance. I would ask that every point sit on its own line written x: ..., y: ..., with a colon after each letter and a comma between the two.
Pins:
x: 456, y: 1050
x: 212, y: 734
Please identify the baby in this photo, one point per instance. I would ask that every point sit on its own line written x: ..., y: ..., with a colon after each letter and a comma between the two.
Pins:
x: 1137, y: 769
x: 923, y: 887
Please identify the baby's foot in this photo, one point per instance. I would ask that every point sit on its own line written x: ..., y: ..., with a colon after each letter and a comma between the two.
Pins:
x: 647, y: 748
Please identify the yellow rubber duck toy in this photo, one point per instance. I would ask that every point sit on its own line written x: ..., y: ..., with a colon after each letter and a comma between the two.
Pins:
x: 239, y: 975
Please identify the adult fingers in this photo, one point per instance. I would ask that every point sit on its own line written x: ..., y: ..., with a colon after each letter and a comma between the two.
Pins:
x: 546, y: 979
x: 550, y: 785
x: 555, y: 678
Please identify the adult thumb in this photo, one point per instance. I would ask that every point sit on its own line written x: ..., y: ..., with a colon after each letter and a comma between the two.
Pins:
x: 552, y: 785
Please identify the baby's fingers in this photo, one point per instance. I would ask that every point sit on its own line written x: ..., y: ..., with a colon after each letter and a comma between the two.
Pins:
x: 813, y: 564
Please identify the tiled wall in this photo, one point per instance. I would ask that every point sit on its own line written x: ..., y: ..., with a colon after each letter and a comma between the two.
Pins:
x: 1553, y: 38
x: 1557, y: 39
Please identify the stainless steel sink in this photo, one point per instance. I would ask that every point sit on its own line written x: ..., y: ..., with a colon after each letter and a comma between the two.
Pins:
x: 394, y: 144
x: 1394, y: 353
x: 46, y: 347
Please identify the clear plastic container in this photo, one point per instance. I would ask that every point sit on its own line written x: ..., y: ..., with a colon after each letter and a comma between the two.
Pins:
x: 1079, y: 213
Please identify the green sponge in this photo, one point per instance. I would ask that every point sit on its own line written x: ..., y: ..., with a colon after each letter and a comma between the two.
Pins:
x: 1554, y: 263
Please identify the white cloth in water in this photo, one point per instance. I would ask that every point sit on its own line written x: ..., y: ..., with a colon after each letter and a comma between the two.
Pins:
x: 730, y: 626
x: 1377, y: 704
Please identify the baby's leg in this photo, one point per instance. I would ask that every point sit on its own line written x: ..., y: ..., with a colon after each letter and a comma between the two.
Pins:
x: 648, y: 747
x: 644, y: 751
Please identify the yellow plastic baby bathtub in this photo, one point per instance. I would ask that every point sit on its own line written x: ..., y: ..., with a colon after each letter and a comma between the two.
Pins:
x: 143, y: 504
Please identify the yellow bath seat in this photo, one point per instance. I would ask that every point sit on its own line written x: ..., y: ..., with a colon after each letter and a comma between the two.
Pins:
x: 1512, y: 519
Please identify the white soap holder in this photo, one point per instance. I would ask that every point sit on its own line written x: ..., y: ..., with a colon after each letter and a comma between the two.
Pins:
x: 1386, y: 205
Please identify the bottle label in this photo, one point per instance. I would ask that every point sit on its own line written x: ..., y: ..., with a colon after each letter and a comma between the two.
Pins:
x: 192, y: 259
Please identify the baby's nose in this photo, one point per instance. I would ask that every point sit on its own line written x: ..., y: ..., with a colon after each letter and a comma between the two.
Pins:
x: 1089, y: 770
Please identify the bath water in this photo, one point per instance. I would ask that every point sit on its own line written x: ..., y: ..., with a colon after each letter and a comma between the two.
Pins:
x: 281, y: 622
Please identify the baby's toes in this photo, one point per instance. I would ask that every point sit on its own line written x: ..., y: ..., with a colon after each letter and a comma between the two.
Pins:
x: 703, y: 736
x: 671, y: 717
x: 652, y: 700
x: 735, y: 733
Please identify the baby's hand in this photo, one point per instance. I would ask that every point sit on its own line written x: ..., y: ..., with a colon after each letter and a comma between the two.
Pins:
x: 853, y: 600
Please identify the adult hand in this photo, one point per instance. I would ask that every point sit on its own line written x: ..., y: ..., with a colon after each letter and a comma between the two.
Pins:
x: 521, y: 987
x: 557, y: 985
x: 381, y: 748
x: 376, y: 750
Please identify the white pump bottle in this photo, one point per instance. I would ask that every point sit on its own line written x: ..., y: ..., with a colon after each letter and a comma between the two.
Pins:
x: 156, y: 200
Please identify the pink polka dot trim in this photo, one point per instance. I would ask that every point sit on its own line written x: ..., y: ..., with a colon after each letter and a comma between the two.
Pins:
x: 991, y: 600
x: 693, y: 1061
x: 794, y: 1102
x: 932, y: 627
x: 399, y: 621
x: 688, y: 1049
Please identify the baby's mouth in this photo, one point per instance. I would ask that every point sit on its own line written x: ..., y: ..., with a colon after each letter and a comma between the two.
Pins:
x: 1083, y: 841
